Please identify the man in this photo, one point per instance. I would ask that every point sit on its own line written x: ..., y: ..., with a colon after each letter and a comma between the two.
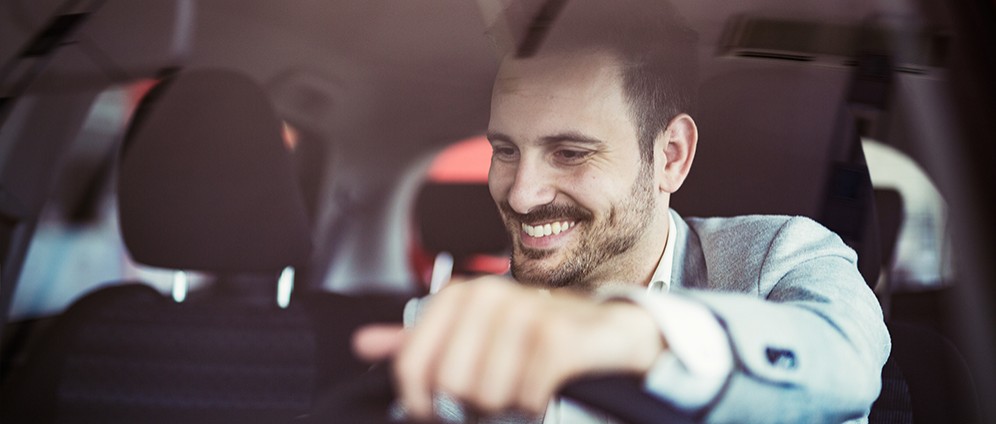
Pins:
x: 751, y: 319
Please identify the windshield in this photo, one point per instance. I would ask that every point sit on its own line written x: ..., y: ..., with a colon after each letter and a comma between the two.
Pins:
x: 869, y: 118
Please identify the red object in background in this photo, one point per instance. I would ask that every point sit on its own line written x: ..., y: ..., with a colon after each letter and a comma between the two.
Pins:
x: 466, y: 161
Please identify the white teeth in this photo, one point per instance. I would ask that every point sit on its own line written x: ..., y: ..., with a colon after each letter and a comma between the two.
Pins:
x: 547, y: 229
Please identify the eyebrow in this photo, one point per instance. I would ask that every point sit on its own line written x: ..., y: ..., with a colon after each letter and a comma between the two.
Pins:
x: 494, y: 136
x: 571, y: 136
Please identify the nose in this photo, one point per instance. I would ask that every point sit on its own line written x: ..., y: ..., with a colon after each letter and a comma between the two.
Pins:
x: 533, y: 186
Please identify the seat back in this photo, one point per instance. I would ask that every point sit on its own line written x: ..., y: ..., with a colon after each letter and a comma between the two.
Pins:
x: 926, y: 380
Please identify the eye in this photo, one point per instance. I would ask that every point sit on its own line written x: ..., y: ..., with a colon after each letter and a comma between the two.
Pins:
x: 571, y: 156
x: 503, y: 152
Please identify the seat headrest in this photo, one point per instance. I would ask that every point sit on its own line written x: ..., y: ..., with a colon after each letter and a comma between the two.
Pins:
x: 205, y: 181
x: 770, y: 143
x: 461, y: 219
x: 770, y: 157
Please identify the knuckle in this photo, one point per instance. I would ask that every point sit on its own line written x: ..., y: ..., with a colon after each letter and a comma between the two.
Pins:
x: 454, y: 382
x: 532, y: 402
x: 551, y: 331
x: 407, y: 372
x: 487, y: 402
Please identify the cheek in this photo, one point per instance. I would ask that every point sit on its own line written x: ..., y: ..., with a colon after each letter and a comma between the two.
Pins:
x: 597, y: 192
x: 498, y: 181
x: 588, y: 191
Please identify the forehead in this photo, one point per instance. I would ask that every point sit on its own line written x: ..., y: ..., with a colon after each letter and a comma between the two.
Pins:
x: 557, y: 93
x: 580, y: 70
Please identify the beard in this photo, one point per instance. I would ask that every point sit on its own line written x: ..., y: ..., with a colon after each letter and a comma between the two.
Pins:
x: 598, y: 241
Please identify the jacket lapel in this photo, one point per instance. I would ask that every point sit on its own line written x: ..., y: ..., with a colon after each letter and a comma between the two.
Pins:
x: 689, y: 268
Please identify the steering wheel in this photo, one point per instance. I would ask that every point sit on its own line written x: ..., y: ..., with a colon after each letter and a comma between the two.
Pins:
x: 368, y: 399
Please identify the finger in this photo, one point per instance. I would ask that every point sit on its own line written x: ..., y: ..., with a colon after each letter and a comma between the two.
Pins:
x: 592, y: 339
x: 377, y: 342
x: 502, y: 366
x: 555, y: 350
x: 467, y: 345
x: 417, y: 361
x: 454, y: 281
x: 545, y: 368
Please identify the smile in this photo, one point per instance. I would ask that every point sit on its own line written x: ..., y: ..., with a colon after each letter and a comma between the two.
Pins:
x: 548, y: 229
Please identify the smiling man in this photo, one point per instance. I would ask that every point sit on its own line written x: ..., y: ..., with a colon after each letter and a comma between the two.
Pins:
x: 749, y: 319
x: 581, y: 203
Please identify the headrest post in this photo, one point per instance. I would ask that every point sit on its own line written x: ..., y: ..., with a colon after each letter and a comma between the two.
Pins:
x: 285, y: 285
x: 442, y: 270
x: 180, y: 286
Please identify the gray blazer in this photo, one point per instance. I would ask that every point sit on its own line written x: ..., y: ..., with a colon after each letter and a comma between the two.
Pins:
x: 809, y: 342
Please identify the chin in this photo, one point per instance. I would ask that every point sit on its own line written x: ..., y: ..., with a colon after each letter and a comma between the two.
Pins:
x: 534, y: 274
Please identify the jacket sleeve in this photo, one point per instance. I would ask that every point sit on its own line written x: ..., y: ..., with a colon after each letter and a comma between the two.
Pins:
x: 809, y: 343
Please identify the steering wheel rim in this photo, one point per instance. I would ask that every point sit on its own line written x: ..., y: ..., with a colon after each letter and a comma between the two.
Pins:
x: 368, y: 398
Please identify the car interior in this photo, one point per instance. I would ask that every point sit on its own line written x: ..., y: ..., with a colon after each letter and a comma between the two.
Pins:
x: 200, y: 201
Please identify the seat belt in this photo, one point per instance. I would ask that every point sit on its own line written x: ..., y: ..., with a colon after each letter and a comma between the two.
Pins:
x: 848, y: 206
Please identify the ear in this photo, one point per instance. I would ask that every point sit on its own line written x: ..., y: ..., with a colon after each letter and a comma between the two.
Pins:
x: 677, y: 146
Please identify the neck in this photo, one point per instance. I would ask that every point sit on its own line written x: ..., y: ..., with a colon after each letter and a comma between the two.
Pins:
x: 636, y: 267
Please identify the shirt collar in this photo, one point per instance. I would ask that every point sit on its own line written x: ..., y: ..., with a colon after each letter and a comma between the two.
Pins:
x: 661, y: 280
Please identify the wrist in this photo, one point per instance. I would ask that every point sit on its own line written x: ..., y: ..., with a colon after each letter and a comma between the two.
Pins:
x: 639, y: 341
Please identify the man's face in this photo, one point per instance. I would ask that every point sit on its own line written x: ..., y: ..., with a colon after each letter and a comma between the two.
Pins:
x: 566, y: 172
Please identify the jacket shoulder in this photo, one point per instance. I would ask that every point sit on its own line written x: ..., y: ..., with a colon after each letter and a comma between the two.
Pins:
x: 738, y: 250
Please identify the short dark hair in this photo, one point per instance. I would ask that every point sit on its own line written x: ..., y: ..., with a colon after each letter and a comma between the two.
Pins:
x: 655, y: 46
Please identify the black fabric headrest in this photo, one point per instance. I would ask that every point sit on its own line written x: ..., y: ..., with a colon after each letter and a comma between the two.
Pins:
x: 206, y: 182
x: 461, y: 219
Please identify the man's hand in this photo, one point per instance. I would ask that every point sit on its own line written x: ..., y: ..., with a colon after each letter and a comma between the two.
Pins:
x: 496, y: 345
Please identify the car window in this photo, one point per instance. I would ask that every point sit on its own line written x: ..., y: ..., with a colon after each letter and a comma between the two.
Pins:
x: 923, y: 246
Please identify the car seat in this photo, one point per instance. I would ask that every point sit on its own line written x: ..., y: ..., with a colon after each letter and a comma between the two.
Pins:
x: 458, y: 229
x: 800, y: 154
x: 926, y: 379
x: 205, y: 184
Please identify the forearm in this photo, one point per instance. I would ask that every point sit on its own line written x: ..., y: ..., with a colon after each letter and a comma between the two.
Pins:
x: 746, y: 358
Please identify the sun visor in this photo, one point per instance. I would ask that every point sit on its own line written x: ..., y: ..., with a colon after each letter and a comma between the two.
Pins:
x: 96, y: 43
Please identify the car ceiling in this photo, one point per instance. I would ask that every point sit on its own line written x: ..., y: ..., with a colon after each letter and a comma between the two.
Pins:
x: 371, y: 72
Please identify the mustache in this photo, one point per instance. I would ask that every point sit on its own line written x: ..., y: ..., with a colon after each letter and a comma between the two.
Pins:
x: 546, y: 212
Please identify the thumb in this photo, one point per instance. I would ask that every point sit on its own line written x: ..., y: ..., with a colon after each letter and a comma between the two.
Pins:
x: 376, y: 342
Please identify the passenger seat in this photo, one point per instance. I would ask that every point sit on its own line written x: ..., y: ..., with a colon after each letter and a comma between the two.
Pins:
x: 206, y: 185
